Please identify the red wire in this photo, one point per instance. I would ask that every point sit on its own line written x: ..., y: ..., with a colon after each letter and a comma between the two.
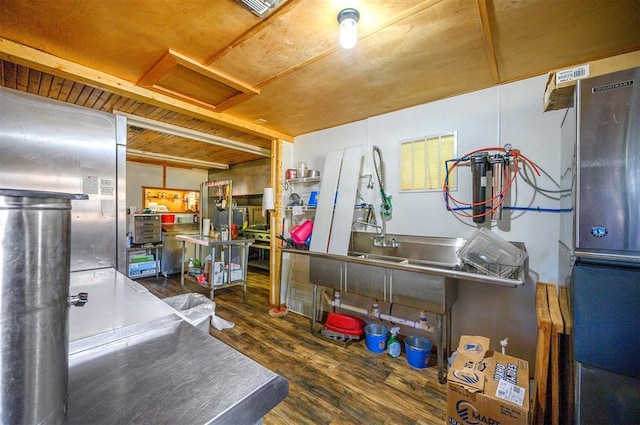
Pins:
x: 447, y: 194
x: 458, y: 202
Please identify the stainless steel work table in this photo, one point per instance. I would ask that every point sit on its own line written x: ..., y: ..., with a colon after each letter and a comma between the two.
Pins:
x: 206, y: 241
x: 133, y: 359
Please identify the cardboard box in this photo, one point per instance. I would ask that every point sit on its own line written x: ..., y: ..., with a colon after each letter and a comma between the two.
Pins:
x: 141, y: 258
x: 217, y: 273
x: 558, y: 93
x: 145, y: 265
x: 236, y: 272
x: 486, y: 387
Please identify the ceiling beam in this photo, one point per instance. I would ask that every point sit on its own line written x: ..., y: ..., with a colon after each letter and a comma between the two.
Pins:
x: 195, y: 163
x: 488, y: 40
x: 45, y: 62
x: 187, y: 133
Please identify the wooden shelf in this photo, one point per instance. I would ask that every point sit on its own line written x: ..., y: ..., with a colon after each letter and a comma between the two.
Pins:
x: 174, y: 200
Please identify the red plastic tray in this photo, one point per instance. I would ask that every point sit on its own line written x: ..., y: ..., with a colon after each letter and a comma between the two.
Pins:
x: 345, y: 324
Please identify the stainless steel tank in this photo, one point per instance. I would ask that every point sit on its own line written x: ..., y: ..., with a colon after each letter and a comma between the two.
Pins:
x: 34, y: 302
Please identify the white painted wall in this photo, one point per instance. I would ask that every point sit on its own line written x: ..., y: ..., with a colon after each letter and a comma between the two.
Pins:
x: 511, y: 113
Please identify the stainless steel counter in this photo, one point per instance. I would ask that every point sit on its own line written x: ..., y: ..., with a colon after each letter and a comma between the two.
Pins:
x: 172, y: 256
x: 207, y: 241
x: 224, y: 245
x: 134, y: 360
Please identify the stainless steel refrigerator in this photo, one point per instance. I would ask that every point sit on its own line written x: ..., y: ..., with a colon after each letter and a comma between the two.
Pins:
x: 47, y: 145
x: 600, y: 245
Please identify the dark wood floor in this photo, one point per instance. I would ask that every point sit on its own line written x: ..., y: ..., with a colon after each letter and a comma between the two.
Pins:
x: 328, y: 384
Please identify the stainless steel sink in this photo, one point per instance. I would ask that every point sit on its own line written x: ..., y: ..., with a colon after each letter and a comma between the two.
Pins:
x: 431, y: 255
x: 405, y: 261
x: 369, y: 256
x: 419, y: 273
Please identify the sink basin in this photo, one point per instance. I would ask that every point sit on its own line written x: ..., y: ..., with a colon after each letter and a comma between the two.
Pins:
x: 369, y: 256
x: 440, y: 253
x: 436, y: 264
x: 405, y: 261
x: 435, y: 255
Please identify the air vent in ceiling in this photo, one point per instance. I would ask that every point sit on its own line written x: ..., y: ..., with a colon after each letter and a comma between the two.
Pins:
x: 260, y: 7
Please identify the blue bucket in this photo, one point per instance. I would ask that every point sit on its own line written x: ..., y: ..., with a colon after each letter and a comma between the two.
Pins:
x: 418, y: 350
x: 375, y: 336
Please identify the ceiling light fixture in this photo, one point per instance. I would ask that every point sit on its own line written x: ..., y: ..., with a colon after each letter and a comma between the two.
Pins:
x: 348, y: 19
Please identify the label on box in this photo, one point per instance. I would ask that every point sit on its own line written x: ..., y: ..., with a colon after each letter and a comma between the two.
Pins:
x: 473, y: 346
x: 577, y: 73
x: 510, y: 392
x: 467, y: 372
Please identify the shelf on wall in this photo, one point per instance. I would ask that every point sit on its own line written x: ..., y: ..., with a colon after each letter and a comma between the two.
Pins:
x: 171, y: 200
x: 304, y: 180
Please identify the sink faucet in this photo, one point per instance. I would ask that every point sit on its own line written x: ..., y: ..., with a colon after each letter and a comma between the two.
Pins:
x: 382, y: 241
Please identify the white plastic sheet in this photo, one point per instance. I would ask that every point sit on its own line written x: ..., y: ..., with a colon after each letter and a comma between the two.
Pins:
x: 198, y: 310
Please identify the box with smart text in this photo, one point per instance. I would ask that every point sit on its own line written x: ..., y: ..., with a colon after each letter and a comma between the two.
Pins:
x: 487, y: 387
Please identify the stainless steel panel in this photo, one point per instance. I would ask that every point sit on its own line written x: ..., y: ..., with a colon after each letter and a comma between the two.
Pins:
x: 133, y: 361
x: 147, y: 228
x: 34, y: 290
x: 52, y: 146
x: 116, y: 304
x: 567, y: 198
x: 421, y: 291
x: 608, y: 217
x: 605, y: 299
x: 172, y: 251
x: 248, y: 178
x: 121, y: 193
x: 325, y: 272
x: 367, y: 280
x: 605, y: 397
x: 440, y: 252
x: 220, y: 218
x: 175, y: 374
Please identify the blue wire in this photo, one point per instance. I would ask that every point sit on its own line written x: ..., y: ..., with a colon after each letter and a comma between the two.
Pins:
x: 553, y: 210
x: 539, y: 209
x: 446, y: 196
x: 446, y: 177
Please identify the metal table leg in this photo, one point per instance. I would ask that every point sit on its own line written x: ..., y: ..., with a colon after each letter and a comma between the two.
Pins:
x: 314, y: 308
x: 244, y: 263
x: 448, y: 323
x: 440, y: 353
x: 182, y: 266
x: 157, y: 262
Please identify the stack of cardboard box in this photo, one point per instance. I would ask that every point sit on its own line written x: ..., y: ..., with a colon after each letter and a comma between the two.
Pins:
x: 486, y: 387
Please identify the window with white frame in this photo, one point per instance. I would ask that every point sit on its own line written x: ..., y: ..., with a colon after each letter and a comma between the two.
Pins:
x: 422, y: 162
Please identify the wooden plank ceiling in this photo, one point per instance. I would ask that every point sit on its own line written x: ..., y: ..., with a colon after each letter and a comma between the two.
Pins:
x: 214, y: 67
